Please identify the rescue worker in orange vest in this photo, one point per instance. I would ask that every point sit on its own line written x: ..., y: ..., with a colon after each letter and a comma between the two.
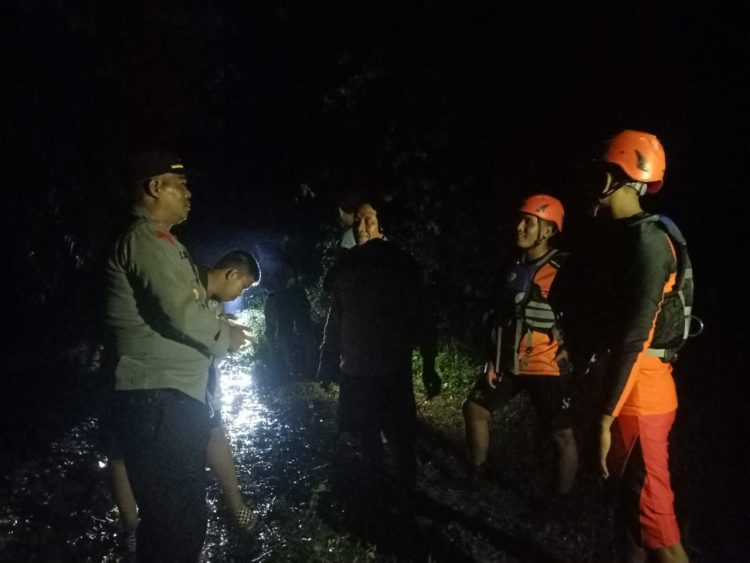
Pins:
x: 527, y: 352
x: 640, y: 399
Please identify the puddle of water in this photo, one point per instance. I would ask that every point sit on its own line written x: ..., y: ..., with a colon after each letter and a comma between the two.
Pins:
x: 57, y: 506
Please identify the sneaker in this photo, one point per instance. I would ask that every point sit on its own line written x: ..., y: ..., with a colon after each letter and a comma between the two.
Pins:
x: 127, y: 540
x: 126, y: 547
x: 130, y: 544
x: 245, y: 520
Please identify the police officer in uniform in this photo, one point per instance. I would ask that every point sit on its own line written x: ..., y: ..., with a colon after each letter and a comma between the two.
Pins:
x: 163, y: 340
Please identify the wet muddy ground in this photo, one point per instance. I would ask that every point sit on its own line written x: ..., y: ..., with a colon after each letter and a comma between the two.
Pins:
x: 56, y: 507
x: 302, y: 477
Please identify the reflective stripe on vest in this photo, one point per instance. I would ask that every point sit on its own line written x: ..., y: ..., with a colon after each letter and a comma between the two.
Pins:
x: 539, y: 315
x: 663, y: 352
x: 531, y: 315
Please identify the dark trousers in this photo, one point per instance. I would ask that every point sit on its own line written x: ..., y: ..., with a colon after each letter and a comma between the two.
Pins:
x: 371, y: 405
x: 163, y: 434
x: 404, y: 451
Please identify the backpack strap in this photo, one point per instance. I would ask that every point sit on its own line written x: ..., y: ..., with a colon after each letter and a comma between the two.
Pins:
x: 684, y: 269
x: 539, y: 315
x: 521, y: 299
x: 683, y: 284
x: 558, y: 258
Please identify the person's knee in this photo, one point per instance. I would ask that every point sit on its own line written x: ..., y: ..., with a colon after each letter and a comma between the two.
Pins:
x: 117, y: 469
x: 217, y: 433
x: 564, y: 439
x: 217, y: 441
x: 672, y: 554
x: 474, y: 413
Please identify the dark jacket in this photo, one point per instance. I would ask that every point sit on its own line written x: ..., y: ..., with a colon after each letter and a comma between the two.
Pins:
x: 379, y: 314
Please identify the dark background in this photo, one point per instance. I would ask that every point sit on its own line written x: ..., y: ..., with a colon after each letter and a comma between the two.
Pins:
x: 453, y: 112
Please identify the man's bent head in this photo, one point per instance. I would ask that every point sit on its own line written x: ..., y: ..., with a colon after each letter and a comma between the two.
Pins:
x: 235, y: 272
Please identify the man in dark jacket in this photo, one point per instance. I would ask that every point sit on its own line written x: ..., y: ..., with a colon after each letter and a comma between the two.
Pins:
x: 379, y: 314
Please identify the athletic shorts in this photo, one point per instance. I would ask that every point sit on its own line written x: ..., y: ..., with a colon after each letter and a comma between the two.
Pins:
x: 214, y: 411
x: 640, y: 458
x: 552, y: 397
x: 108, y: 442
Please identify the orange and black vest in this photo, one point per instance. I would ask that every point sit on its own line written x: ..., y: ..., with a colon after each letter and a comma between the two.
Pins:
x: 528, y: 335
x: 645, y: 289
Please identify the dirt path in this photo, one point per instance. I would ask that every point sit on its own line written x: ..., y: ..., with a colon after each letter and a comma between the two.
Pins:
x: 56, y: 508
x: 302, y: 477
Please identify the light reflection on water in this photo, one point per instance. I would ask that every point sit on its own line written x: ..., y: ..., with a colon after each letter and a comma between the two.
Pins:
x: 56, y: 505
x: 241, y: 409
x: 243, y: 415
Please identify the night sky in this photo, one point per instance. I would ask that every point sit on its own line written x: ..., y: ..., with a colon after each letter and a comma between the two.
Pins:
x: 264, y: 97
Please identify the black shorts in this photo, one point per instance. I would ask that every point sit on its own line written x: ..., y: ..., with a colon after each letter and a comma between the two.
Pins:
x: 109, y: 445
x: 214, y: 411
x: 371, y: 404
x: 552, y: 396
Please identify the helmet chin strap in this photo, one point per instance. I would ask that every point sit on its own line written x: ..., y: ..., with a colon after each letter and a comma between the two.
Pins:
x: 613, y: 185
x: 539, y: 238
x: 639, y: 187
x: 610, y: 187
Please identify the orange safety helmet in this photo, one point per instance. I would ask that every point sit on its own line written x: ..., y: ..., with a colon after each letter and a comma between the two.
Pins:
x: 641, y: 157
x: 545, y: 207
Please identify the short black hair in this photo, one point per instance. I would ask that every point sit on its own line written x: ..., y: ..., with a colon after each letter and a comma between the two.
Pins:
x: 239, y: 260
x: 385, y: 210
x: 350, y: 200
